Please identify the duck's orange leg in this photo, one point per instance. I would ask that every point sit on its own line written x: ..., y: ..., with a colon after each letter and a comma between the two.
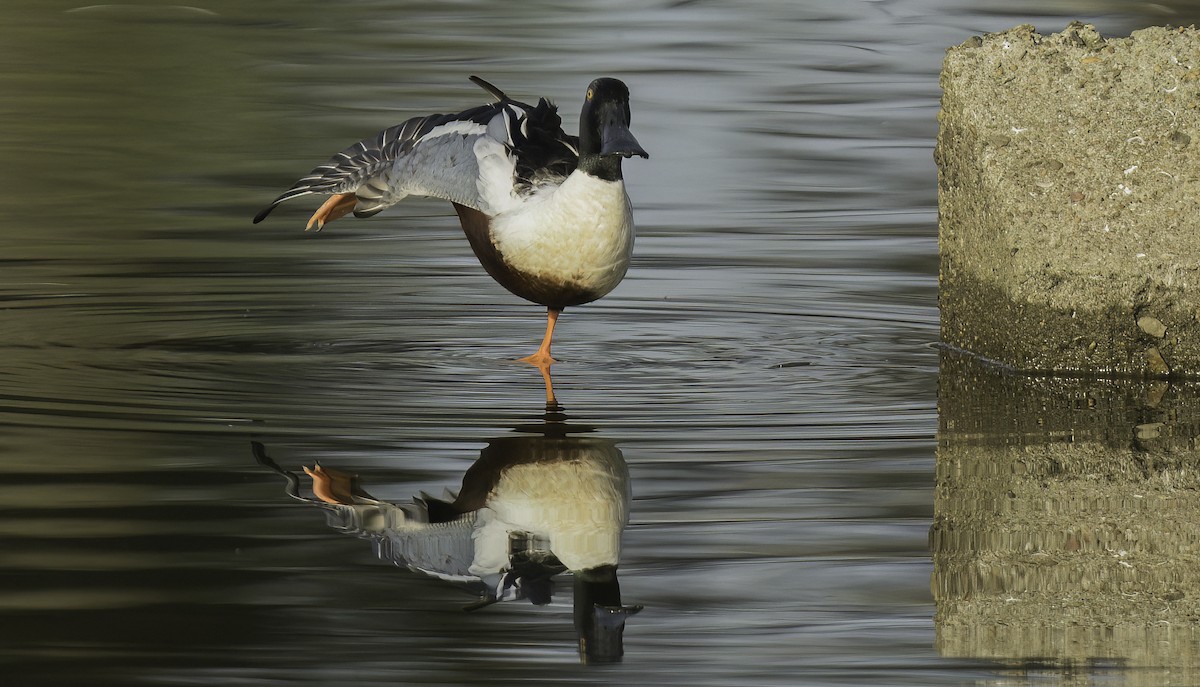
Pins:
x: 337, y: 206
x: 542, y: 357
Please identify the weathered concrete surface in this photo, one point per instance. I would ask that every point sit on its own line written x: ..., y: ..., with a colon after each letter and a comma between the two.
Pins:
x: 1069, y: 198
x: 1065, y: 521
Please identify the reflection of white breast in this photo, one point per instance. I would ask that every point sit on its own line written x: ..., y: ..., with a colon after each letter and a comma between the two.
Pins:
x: 580, y: 232
x: 580, y: 505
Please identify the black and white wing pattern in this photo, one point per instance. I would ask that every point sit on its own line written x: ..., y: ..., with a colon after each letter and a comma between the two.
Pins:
x: 487, y: 158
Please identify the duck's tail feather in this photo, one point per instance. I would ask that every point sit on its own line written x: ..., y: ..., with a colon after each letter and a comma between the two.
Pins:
x: 496, y: 93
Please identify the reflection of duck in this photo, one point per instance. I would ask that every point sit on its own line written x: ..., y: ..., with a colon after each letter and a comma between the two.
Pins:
x: 545, y: 212
x: 531, y: 507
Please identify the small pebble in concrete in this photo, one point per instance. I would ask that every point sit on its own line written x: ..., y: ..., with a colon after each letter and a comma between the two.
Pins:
x: 1152, y: 326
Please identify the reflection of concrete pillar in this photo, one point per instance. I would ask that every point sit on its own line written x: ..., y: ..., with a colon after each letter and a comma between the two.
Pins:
x: 1069, y: 206
x: 1067, y: 519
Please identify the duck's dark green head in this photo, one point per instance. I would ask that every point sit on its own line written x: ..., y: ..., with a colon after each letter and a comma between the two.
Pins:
x: 604, y: 136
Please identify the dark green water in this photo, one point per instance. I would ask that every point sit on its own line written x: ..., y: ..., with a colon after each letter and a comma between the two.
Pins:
x: 767, y: 369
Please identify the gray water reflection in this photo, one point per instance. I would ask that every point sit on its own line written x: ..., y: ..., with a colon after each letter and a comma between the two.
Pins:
x: 1064, y: 537
x: 534, y: 505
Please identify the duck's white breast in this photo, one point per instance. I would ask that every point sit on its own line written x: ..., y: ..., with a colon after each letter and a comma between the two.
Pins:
x: 580, y: 233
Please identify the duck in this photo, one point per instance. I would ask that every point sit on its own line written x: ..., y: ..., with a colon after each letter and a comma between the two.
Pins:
x: 546, y: 213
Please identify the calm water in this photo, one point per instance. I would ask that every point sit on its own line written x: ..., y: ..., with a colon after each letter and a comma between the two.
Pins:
x: 767, y: 369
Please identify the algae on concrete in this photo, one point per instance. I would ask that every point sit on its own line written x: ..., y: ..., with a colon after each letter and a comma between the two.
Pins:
x: 1069, y: 200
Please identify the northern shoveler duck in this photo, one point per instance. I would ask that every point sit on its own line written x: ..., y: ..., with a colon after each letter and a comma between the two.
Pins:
x: 545, y: 212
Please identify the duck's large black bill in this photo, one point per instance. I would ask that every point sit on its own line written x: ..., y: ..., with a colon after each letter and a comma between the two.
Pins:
x: 616, y: 139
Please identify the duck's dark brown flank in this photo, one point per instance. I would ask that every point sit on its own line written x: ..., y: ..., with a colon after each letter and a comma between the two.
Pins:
x: 553, y: 293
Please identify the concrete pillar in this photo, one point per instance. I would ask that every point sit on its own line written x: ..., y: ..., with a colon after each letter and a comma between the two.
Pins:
x: 1069, y: 201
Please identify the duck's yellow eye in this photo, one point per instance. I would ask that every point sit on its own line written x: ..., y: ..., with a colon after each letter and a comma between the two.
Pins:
x: 589, y: 94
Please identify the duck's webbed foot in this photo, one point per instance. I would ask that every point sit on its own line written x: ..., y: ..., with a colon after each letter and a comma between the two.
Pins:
x: 338, y: 205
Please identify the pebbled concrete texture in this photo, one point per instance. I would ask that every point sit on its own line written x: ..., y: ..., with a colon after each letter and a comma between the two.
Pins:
x: 1069, y: 201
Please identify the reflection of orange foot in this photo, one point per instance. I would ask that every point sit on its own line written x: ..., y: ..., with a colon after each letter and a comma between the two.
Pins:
x: 321, y: 484
x: 331, y: 486
x: 337, y: 206
x: 540, y: 359
x: 544, y: 368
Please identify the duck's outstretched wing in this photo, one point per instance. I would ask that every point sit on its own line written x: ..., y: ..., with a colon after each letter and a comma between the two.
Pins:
x: 484, y: 158
x: 441, y: 145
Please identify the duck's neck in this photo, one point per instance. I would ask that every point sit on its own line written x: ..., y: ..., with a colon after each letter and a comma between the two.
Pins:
x: 606, y: 167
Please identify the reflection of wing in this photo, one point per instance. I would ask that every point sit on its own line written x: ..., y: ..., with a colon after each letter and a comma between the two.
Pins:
x: 402, y: 534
